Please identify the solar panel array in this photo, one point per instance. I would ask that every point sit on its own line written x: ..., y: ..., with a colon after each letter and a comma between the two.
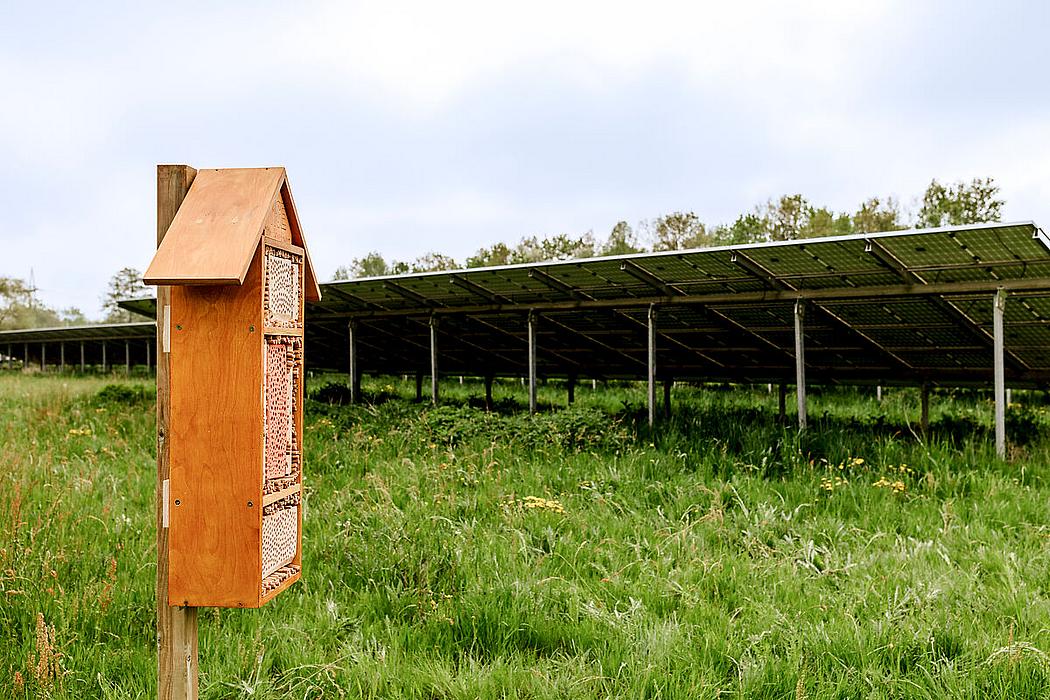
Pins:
x: 898, y: 307
x: 890, y: 308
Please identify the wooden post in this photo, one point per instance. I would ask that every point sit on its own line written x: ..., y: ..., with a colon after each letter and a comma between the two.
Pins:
x: 176, y: 625
x: 651, y: 374
x: 998, y: 307
x: 434, y: 359
x: 532, y: 362
x: 924, y: 408
x: 800, y: 365
x: 488, y: 392
x: 355, y: 372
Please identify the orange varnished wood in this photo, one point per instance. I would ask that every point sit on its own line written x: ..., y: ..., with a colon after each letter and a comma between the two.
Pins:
x: 217, y: 229
x: 216, y: 443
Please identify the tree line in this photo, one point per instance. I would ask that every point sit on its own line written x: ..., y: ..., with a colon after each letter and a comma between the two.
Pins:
x: 786, y: 218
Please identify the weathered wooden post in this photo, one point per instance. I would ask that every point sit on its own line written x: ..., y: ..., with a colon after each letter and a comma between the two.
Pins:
x: 232, y: 272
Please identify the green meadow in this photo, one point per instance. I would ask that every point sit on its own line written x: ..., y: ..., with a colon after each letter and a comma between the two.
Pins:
x: 452, y: 552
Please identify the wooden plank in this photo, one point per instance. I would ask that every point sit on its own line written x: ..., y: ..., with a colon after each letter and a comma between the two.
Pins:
x: 312, y: 290
x: 294, y: 332
x: 213, y: 237
x: 283, y: 245
x: 278, y: 495
x: 176, y: 626
x: 217, y: 443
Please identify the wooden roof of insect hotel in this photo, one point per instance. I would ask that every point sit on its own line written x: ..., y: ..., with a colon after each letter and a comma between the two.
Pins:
x: 220, y: 224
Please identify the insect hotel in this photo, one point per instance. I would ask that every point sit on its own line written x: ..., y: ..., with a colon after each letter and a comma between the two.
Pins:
x: 232, y: 325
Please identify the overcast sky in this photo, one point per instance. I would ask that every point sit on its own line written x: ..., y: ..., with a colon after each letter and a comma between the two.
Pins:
x: 412, y: 127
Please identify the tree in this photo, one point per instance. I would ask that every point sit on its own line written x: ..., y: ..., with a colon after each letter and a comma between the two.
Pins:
x: 975, y: 202
x: 433, y: 262
x: 824, y: 222
x: 679, y: 230
x: 371, y: 265
x: 497, y: 254
x: 558, y: 247
x: 20, y: 308
x: 125, y: 284
x: 876, y: 215
x: 621, y: 241
x: 748, y: 228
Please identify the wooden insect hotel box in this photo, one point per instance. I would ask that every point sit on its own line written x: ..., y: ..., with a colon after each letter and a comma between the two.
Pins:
x: 239, y: 274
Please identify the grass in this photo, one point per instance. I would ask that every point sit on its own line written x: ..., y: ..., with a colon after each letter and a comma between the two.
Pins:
x: 454, y: 553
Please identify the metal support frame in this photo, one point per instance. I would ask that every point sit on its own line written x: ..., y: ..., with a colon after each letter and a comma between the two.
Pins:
x: 419, y: 387
x: 570, y: 389
x: 62, y: 357
x: 782, y: 391
x: 105, y: 365
x: 25, y: 356
x: 488, y: 392
x: 668, y: 384
x: 355, y: 370
x: 149, y: 357
x: 83, y: 364
x: 532, y: 361
x: 651, y: 371
x: 998, y: 308
x: 127, y: 358
x: 434, y: 360
x: 43, y: 357
x: 878, y: 393
x: 800, y: 364
x: 924, y: 408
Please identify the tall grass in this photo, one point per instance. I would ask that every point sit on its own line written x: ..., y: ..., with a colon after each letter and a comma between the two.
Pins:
x: 451, y: 552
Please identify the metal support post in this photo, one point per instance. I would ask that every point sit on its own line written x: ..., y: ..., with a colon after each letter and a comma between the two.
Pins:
x: 651, y: 395
x: 800, y: 364
x: 488, y: 392
x: 434, y: 359
x: 998, y: 307
x: 668, y: 384
x: 571, y: 389
x: 532, y: 362
x: 355, y: 373
x: 924, y: 411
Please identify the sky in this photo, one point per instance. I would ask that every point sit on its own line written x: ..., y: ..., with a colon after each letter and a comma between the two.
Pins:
x: 411, y: 127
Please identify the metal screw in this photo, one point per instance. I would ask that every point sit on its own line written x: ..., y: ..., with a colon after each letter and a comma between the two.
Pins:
x: 250, y: 504
x: 178, y: 502
x: 178, y: 327
x: 251, y: 329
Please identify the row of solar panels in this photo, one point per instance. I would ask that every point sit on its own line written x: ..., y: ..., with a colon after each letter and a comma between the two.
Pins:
x: 903, y: 335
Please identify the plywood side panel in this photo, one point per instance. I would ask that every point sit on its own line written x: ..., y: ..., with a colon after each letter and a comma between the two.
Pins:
x: 216, y: 443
